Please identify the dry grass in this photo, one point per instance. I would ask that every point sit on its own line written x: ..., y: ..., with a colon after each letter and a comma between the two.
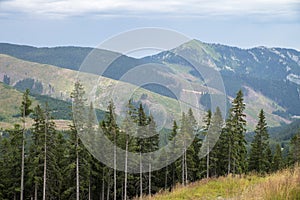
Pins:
x: 213, y: 188
x: 283, y: 185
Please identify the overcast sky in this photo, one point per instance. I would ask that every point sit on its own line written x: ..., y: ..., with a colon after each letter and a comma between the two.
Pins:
x: 245, y: 23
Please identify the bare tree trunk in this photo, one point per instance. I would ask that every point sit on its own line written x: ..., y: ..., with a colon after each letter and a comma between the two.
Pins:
x: 183, y: 167
x: 115, y: 167
x: 233, y: 167
x: 35, y: 191
x: 90, y: 189
x: 126, y: 160
x: 141, y: 177
x: 108, y: 188
x: 166, y: 178
x: 100, y: 195
x: 23, y: 156
x: 122, y: 194
x: 45, y: 159
x: 173, y: 175
x: 207, y: 162
x: 150, y: 179
x: 103, y: 195
x: 185, y: 163
x: 77, y: 169
x: 229, y: 160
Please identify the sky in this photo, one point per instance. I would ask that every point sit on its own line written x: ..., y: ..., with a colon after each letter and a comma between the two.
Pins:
x: 244, y: 23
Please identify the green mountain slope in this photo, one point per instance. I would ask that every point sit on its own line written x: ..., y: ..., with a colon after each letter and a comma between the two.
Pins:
x: 70, y: 57
x: 66, y: 57
x: 271, y: 73
x: 286, y: 132
x: 58, y: 83
x: 257, y: 66
x: 10, y: 99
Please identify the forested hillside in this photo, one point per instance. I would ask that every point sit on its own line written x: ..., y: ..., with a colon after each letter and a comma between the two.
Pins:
x: 56, y: 164
x: 35, y: 76
x: 11, y: 97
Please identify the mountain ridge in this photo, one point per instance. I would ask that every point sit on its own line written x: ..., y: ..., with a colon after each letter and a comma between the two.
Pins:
x: 279, y: 83
x: 13, y: 50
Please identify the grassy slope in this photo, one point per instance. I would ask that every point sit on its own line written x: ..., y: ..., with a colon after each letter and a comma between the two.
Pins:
x: 62, y: 80
x: 254, y: 102
x: 10, y: 101
x: 283, y: 185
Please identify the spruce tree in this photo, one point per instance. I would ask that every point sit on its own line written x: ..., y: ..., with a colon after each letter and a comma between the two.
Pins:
x: 238, y: 129
x: 90, y: 134
x: 42, y: 158
x: 152, y: 145
x: 227, y: 145
x: 269, y: 160
x: 220, y: 153
x: 50, y: 159
x: 277, y: 159
x: 4, y: 168
x: 10, y: 163
x: 172, y: 167
x: 77, y: 127
x: 192, y: 156
x: 111, y: 130
x: 36, y: 153
x: 183, y: 137
x: 25, y: 111
x: 212, y: 138
x: 232, y: 143
x: 187, y: 164
x: 295, y: 148
x: 128, y: 130
x: 60, y: 181
x: 141, y: 131
x: 207, y: 121
x: 258, y: 160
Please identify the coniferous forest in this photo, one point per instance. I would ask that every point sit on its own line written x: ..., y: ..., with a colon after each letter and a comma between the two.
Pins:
x: 42, y: 162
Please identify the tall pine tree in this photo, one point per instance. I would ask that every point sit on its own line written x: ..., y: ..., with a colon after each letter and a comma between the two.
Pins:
x: 77, y: 127
x: 10, y: 163
x: 232, y: 141
x: 239, y: 128
x: 207, y: 122
x: 258, y: 160
x: 212, y: 138
x: 295, y: 148
x: 25, y: 111
x: 277, y: 159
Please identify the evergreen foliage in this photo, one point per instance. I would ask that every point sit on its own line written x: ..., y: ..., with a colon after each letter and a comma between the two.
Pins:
x: 34, y: 86
x: 258, y: 160
x: 277, y: 159
x: 295, y: 148
x: 6, y: 79
x: 232, y: 143
x: 59, y: 166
